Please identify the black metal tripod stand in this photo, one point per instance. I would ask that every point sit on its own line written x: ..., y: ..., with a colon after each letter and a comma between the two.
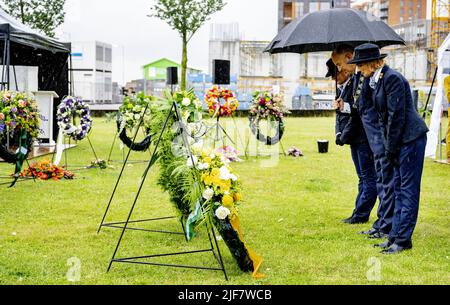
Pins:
x: 221, y: 133
x: 124, y: 225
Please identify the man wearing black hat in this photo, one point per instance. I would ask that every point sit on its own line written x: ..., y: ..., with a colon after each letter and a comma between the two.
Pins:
x: 384, y: 175
x: 404, y: 134
x: 349, y: 131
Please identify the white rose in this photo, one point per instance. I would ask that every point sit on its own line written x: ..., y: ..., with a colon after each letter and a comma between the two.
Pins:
x: 198, y: 103
x: 212, y: 156
x: 186, y: 102
x: 233, y: 177
x: 222, y: 213
x: 224, y: 160
x: 189, y: 161
x: 137, y: 117
x: 208, y: 194
x: 224, y: 173
x: 197, y: 148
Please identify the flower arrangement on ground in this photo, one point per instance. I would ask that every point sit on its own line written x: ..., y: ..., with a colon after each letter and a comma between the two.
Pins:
x: 46, y: 170
x: 221, y: 102
x: 100, y: 163
x: 295, y: 152
x: 68, y: 109
x: 230, y: 153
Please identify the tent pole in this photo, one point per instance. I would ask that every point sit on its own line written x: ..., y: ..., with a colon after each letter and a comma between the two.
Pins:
x: 8, y: 61
x: 429, y: 94
x: 3, y: 66
x: 15, y: 77
x: 71, y: 88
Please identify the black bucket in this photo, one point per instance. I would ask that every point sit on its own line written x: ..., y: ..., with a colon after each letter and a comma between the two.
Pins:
x: 323, y: 146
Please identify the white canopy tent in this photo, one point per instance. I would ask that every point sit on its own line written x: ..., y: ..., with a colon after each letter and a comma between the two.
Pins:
x: 436, y: 117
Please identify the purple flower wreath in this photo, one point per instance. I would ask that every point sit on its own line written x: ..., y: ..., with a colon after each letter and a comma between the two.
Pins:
x: 67, y: 110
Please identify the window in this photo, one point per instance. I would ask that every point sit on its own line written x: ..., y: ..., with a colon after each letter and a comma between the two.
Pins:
x: 108, y: 85
x: 99, y: 55
x: 401, y: 19
x: 313, y: 7
x: 287, y: 12
x: 108, y: 55
x: 402, y: 3
x: 410, y: 12
x: 299, y: 9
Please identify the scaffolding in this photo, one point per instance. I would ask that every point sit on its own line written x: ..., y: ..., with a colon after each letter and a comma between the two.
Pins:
x: 440, y: 27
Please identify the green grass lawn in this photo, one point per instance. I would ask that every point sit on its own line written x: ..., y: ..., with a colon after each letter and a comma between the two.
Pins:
x: 291, y: 215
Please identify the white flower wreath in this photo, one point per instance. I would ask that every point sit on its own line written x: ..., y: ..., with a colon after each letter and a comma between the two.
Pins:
x: 69, y: 107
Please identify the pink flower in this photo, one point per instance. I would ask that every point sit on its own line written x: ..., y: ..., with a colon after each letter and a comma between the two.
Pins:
x: 2, y: 116
x: 22, y: 103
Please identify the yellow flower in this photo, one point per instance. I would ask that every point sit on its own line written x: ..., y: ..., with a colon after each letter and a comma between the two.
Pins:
x: 227, y: 201
x: 216, y: 180
x: 237, y: 197
x: 215, y: 172
x: 207, y: 179
x: 207, y: 160
x: 224, y: 185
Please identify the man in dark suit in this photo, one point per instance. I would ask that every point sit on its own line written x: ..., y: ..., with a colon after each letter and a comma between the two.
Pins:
x: 351, y: 132
x: 385, y: 171
x: 404, y: 136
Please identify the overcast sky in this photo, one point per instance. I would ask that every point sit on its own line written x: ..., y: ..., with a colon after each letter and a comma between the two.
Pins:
x: 125, y: 25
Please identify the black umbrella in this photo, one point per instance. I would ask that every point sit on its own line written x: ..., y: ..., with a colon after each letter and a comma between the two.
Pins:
x: 326, y: 29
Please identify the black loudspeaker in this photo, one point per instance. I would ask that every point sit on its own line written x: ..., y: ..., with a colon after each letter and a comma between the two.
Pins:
x: 221, y: 72
x: 172, y: 76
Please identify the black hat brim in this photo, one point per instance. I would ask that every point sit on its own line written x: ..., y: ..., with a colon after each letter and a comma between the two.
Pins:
x: 363, y: 60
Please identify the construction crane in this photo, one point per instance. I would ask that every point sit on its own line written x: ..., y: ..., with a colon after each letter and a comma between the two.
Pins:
x: 440, y: 27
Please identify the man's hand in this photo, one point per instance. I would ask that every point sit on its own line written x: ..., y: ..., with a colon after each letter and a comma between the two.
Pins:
x: 338, y: 104
x: 338, y: 139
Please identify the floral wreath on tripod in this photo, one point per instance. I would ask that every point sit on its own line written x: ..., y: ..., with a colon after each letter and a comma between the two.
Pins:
x: 221, y: 102
x: 19, y: 124
x: 269, y: 106
x: 133, y: 109
x: 69, y: 108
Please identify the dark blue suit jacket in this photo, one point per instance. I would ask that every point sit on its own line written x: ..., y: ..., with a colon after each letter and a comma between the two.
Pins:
x: 400, y: 121
x: 349, y: 125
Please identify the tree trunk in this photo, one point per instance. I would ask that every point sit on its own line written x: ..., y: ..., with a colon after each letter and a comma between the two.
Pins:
x: 184, y: 61
x: 22, y: 15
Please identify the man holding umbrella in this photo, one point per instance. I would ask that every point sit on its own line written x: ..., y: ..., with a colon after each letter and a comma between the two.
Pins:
x: 384, y: 181
x: 349, y: 131
x: 404, y: 134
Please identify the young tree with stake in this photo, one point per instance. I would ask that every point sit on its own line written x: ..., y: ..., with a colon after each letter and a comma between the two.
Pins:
x: 186, y: 17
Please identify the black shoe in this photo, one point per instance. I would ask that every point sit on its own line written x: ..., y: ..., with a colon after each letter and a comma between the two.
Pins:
x: 355, y: 221
x: 395, y: 249
x: 378, y: 235
x: 371, y: 232
x: 347, y: 220
x: 384, y: 245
